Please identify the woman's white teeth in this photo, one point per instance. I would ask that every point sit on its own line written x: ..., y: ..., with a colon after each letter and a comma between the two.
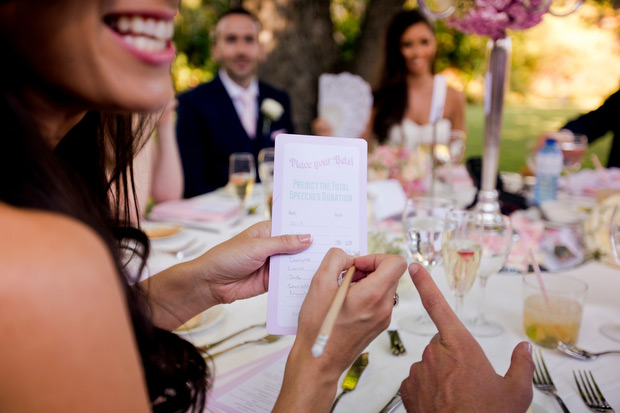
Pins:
x: 145, y: 44
x: 153, y: 28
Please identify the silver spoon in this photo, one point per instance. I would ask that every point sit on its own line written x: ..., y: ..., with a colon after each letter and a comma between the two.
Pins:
x: 580, y: 353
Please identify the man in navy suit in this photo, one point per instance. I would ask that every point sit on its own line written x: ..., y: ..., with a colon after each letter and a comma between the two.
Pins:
x: 235, y: 112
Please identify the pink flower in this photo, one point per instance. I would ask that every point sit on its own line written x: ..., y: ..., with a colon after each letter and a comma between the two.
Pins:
x: 493, y: 17
x: 400, y: 163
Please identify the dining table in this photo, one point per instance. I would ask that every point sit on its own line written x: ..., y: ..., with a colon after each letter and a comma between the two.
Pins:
x: 385, y: 371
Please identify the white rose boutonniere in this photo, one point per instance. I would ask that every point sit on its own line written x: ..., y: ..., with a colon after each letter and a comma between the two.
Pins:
x: 272, y: 111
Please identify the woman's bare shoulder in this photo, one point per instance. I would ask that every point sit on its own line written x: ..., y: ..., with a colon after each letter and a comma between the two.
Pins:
x: 48, y: 239
x: 61, y: 306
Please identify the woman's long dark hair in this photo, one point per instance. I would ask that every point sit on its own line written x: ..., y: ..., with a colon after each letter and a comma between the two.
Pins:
x: 391, y: 90
x: 79, y: 179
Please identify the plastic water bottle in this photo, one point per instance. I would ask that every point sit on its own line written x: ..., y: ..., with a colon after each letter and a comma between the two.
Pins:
x: 548, y: 169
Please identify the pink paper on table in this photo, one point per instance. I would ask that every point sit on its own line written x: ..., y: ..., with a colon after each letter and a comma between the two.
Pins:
x: 196, y: 209
x: 319, y: 189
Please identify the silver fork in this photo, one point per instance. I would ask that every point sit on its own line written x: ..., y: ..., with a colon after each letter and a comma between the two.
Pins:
x: 542, y: 381
x: 268, y: 339
x: 581, y: 353
x: 590, y: 393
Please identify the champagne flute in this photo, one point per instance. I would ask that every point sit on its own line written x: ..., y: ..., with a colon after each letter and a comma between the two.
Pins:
x: 612, y: 330
x: 265, y: 173
x: 462, y: 249
x: 497, y: 232
x: 423, y: 223
x: 242, y: 175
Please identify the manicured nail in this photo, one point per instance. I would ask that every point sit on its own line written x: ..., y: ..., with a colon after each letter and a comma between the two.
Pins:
x: 305, y: 238
x: 528, y: 345
x: 413, y: 268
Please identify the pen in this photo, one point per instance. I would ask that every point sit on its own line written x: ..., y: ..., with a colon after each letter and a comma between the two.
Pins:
x: 332, y: 314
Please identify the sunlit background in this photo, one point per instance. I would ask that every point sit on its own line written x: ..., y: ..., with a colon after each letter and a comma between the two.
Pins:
x: 560, y: 68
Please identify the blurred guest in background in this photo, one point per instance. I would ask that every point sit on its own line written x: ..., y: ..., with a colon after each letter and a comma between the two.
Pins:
x: 409, y: 98
x: 158, y: 173
x: 598, y: 122
x: 233, y: 113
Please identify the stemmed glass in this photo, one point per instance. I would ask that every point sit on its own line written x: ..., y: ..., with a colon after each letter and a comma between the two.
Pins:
x: 265, y: 173
x: 573, y: 147
x: 242, y: 175
x: 450, y: 153
x: 423, y: 223
x: 462, y: 249
x: 497, y: 232
x: 612, y: 330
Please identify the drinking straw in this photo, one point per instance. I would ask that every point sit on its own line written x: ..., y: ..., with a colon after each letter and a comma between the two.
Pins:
x: 601, y: 171
x: 539, y: 277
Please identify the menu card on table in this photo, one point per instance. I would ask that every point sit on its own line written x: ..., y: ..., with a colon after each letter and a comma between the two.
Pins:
x: 319, y: 189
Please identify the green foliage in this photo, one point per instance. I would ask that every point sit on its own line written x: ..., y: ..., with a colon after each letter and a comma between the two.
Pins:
x: 192, y: 38
x: 346, y: 18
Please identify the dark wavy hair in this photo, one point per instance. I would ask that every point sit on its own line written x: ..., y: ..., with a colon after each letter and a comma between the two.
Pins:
x: 80, y: 179
x: 391, y: 89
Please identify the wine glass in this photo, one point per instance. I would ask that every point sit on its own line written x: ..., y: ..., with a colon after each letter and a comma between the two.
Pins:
x: 242, y: 175
x: 612, y: 330
x: 573, y: 147
x: 265, y: 173
x: 449, y: 154
x: 462, y: 249
x: 423, y: 224
x: 497, y: 232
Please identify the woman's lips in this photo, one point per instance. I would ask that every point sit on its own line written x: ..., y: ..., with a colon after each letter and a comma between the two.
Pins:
x: 147, y: 37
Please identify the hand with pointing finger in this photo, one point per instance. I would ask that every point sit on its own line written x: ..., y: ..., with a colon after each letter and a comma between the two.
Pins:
x: 454, y: 373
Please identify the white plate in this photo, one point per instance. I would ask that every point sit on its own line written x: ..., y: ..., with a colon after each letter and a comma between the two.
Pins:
x: 565, y: 211
x: 157, y: 231
x: 536, y: 408
x: 208, y: 319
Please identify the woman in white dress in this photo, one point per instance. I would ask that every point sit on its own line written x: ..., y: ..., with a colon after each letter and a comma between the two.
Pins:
x: 410, y: 98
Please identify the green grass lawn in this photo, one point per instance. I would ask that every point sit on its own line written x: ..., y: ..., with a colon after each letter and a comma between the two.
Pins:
x: 522, y: 125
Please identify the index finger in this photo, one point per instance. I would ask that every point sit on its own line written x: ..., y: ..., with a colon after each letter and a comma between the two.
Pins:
x: 434, y: 302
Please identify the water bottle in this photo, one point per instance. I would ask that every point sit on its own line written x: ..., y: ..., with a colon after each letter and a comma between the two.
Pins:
x: 548, y: 169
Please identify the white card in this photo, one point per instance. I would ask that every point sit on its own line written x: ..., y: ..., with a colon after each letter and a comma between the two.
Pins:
x: 319, y: 189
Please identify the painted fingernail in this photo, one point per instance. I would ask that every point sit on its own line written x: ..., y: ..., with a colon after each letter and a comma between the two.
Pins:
x: 305, y: 238
x: 528, y: 345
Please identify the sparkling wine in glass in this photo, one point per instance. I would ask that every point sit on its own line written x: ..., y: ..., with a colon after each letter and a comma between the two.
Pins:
x: 265, y: 173
x: 423, y: 225
x: 242, y: 175
x: 497, y: 233
x: 612, y: 330
x: 462, y: 249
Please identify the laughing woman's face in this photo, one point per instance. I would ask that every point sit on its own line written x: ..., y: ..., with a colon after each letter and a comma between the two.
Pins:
x: 93, y: 54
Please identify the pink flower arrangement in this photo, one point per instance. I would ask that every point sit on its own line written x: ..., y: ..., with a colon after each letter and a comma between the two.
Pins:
x: 410, y: 168
x: 493, y: 17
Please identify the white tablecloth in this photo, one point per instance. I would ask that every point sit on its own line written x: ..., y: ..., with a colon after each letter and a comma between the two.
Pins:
x: 385, y: 371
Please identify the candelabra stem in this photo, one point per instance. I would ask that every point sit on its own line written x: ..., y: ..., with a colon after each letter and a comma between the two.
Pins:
x: 495, y: 87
